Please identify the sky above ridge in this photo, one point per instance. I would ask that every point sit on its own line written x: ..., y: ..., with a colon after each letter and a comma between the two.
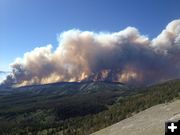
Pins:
x: 26, y: 24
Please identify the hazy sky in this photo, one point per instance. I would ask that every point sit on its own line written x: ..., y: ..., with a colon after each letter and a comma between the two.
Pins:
x: 26, y: 24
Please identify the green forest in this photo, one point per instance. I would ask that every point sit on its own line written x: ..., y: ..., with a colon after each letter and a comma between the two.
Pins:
x: 39, y: 113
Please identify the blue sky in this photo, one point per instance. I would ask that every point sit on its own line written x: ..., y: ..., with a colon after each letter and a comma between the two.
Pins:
x: 26, y: 24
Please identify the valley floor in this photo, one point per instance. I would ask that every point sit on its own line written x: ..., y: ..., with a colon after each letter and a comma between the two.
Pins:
x: 148, y: 122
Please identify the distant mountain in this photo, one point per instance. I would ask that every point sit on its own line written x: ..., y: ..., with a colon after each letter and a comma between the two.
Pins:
x: 64, y: 100
x: 64, y: 88
x: 5, y: 72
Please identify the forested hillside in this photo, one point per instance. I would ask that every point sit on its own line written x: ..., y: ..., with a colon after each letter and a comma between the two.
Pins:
x: 47, y: 113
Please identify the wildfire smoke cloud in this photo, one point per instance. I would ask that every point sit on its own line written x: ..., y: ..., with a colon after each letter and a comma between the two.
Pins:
x: 125, y: 56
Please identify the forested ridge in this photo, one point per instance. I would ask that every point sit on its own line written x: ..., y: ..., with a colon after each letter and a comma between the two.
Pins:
x: 78, y: 114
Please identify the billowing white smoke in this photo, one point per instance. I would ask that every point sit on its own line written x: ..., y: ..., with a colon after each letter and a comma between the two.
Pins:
x: 124, y: 56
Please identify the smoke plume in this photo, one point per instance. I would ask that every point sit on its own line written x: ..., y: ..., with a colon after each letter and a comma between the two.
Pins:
x: 124, y: 56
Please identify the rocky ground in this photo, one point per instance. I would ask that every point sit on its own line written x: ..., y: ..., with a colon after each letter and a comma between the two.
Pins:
x: 148, y: 122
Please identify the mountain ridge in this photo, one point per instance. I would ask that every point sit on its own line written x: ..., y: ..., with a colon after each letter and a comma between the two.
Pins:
x: 64, y: 109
